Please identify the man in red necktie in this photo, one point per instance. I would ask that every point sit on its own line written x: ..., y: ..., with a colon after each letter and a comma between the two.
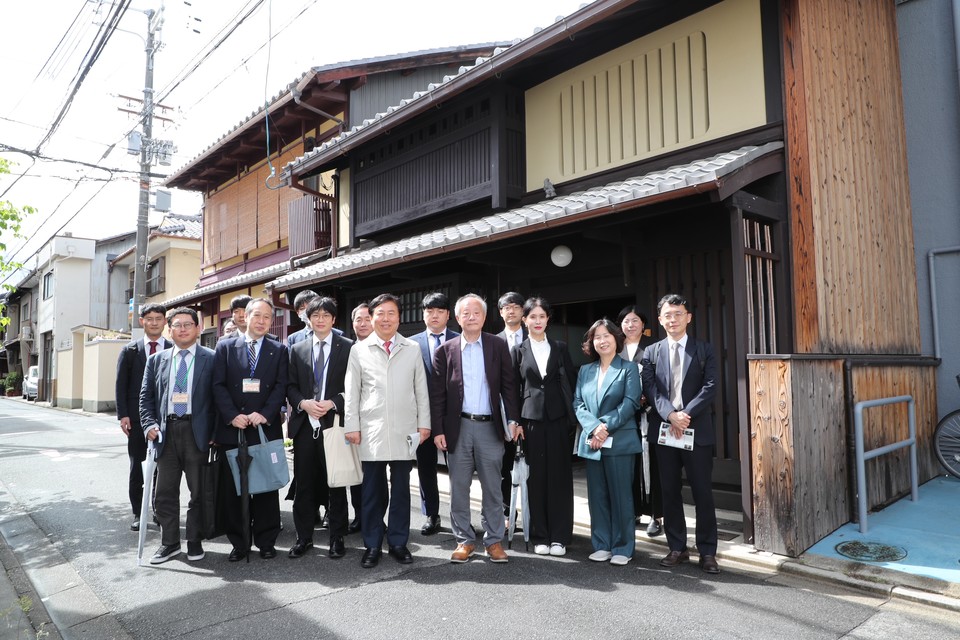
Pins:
x: 130, y: 365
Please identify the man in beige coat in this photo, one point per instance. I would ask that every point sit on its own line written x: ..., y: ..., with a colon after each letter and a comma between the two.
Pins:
x: 386, y: 413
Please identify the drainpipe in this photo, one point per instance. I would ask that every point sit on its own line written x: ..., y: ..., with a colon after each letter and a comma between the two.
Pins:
x: 934, y: 307
x: 956, y: 38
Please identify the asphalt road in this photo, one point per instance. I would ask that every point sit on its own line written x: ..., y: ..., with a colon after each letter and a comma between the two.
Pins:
x: 64, y: 474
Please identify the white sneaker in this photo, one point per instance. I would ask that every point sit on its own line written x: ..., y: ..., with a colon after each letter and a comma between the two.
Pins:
x: 541, y: 550
x: 619, y: 560
x: 557, y: 549
x: 600, y: 556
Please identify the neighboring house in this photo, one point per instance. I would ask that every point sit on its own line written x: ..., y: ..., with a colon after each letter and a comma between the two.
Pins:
x: 64, y: 301
x: 173, y: 262
x: 109, y: 304
x: 255, y: 228
x: 730, y: 151
x: 929, y: 33
x: 19, y: 342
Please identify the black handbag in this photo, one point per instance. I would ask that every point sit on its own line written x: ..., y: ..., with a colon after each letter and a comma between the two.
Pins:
x: 215, y: 480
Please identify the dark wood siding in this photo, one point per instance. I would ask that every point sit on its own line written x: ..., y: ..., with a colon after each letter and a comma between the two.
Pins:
x: 471, y: 151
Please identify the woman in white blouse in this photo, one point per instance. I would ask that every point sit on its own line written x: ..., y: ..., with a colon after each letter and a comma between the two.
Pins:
x: 546, y: 377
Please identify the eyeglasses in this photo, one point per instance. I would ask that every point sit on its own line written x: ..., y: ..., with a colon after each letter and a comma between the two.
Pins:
x: 176, y: 326
x: 675, y: 316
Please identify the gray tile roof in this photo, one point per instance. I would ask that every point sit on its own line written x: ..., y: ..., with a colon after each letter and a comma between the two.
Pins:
x: 181, y: 226
x: 630, y: 192
x: 249, y: 278
x: 340, y: 139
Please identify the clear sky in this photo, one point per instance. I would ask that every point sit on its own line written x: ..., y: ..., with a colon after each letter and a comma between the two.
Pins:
x: 45, y: 44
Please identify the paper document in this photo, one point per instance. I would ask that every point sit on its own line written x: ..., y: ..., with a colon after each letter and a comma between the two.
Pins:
x: 413, y: 441
x: 667, y: 439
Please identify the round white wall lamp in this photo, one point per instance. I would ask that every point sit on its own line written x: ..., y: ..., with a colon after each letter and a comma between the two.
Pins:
x: 561, y: 255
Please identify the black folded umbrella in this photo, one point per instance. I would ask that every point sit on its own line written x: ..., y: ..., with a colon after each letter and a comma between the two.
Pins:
x: 243, y: 462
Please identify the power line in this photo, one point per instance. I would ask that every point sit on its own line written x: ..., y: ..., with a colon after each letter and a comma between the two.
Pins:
x: 93, y: 54
x: 90, y: 165
x: 177, y: 82
x: 243, y: 62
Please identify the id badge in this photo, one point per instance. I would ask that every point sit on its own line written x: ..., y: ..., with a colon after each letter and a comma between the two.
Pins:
x: 251, y: 385
x: 180, y: 398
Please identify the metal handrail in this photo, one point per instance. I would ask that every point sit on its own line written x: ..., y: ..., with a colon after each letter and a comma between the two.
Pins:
x: 862, y: 456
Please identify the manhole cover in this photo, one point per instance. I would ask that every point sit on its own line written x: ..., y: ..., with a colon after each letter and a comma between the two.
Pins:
x: 871, y: 551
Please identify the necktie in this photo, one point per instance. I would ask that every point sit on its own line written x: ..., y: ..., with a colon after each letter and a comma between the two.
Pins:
x: 439, y: 338
x: 153, y: 348
x: 252, y: 356
x: 318, y: 366
x: 386, y: 345
x: 518, y: 337
x: 180, y: 385
x: 676, y: 376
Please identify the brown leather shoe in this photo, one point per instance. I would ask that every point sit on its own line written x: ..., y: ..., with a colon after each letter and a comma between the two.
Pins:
x: 674, y: 558
x: 709, y: 564
x: 462, y: 553
x: 496, y: 553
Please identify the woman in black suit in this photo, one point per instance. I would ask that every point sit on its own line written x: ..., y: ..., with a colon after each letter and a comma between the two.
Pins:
x: 646, y: 487
x: 546, y: 376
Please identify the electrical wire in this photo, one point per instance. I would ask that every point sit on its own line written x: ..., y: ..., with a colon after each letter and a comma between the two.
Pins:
x: 266, y: 98
x: 93, y: 54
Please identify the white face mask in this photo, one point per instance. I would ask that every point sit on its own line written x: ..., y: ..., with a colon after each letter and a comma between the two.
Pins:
x: 303, y: 317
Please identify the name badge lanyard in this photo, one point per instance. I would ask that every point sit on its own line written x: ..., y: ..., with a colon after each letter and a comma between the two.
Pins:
x: 173, y: 372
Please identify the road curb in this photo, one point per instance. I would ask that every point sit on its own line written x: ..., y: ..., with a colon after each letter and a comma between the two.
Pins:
x: 60, y: 595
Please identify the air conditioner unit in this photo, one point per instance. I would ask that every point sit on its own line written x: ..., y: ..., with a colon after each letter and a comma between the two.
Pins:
x: 26, y: 332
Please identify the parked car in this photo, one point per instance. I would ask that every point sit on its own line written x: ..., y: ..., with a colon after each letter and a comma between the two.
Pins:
x: 30, y: 383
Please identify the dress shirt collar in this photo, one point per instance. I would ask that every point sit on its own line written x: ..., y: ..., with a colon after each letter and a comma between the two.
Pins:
x: 464, y: 343
x: 328, y: 340
x: 392, y: 340
x: 161, y: 343
x: 682, y: 342
x: 247, y: 338
x: 192, y: 350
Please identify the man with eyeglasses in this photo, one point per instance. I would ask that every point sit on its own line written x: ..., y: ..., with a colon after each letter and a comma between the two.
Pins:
x: 176, y: 410
x: 679, y: 376
x: 318, y: 366
x: 250, y: 387
x: 510, y: 306
x: 130, y: 366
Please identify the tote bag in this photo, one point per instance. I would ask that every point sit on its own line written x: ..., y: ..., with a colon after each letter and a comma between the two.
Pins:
x: 342, y: 458
x: 268, y: 469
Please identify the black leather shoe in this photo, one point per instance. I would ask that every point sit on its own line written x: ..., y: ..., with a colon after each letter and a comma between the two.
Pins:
x: 268, y: 553
x: 354, y: 526
x: 300, y: 548
x: 674, y: 558
x: 236, y: 555
x: 401, y: 554
x: 430, y: 526
x: 336, y: 549
x: 370, y: 558
x: 709, y: 564
x: 135, y: 526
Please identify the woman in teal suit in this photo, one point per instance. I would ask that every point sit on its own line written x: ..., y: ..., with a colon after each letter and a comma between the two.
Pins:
x: 606, y: 401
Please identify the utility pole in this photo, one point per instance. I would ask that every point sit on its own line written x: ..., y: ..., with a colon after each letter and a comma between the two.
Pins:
x: 154, y: 23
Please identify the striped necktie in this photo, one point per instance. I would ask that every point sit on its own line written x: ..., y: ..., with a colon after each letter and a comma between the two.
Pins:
x: 180, y: 385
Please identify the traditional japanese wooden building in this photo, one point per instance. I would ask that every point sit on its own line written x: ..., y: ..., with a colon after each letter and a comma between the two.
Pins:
x: 748, y: 154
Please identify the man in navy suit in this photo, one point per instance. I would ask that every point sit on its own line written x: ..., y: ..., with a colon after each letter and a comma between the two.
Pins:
x: 130, y: 365
x: 318, y: 367
x: 176, y: 411
x: 249, y: 388
x: 300, y: 303
x: 679, y: 380
x: 436, y: 315
x: 510, y: 306
x: 472, y: 375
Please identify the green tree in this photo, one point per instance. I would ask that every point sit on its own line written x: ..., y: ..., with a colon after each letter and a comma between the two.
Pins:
x: 10, y: 219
